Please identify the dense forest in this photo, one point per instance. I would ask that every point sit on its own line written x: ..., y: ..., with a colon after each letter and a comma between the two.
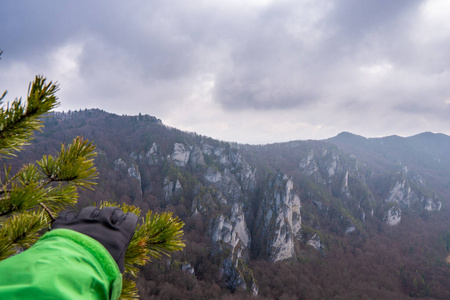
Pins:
x: 344, y: 218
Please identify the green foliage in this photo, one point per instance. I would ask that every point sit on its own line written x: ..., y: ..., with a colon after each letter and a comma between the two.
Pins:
x: 74, y: 164
x: 163, y: 233
x: 32, y: 198
x: 129, y: 290
x: 20, y: 231
x: 157, y: 234
x: 247, y: 273
x: 18, y: 120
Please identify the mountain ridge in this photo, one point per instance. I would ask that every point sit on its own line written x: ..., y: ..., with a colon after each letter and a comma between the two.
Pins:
x: 299, y: 202
x: 157, y: 120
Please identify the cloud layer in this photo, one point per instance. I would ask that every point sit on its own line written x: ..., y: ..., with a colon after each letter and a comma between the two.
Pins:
x: 247, y: 71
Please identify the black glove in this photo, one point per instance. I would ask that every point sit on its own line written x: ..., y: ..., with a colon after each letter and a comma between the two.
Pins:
x: 109, y: 226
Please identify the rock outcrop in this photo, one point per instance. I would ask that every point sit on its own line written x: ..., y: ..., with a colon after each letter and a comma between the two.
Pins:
x: 172, y: 189
x: 408, y: 192
x: 315, y: 242
x: 279, y: 221
x: 265, y: 201
x: 231, y: 240
x: 180, y: 155
x: 153, y: 155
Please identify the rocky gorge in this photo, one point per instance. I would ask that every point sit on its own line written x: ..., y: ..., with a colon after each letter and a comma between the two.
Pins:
x: 276, y: 203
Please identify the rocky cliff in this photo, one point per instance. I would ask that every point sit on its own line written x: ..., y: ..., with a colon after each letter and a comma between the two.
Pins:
x: 278, y: 221
x: 258, y: 202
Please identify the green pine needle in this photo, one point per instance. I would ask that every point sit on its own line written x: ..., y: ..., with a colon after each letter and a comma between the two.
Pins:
x: 18, y: 121
x: 21, y: 230
x: 129, y: 290
x: 30, y: 199
x: 156, y: 235
x: 73, y: 164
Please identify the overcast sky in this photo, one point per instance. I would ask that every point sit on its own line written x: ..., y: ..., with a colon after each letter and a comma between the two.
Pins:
x: 253, y: 71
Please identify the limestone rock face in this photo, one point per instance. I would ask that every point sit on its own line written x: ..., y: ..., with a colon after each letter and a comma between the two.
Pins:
x: 186, y: 267
x: 227, y: 184
x: 237, y: 174
x: 432, y: 204
x: 172, y: 189
x: 231, y: 240
x: 203, y: 204
x: 324, y: 166
x: 332, y: 169
x: 265, y: 199
x: 212, y: 175
x: 402, y: 194
x: 153, y: 155
x: 196, y: 157
x: 340, y: 175
x: 351, y: 228
x: 180, y: 154
x: 233, y: 230
x: 132, y: 168
x: 315, y: 242
x: 245, y: 175
x: 230, y: 180
x: 119, y: 163
x: 309, y: 165
x: 407, y: 193
x: 279, y: 222
x: 133, y: 171
x: 393, y: 216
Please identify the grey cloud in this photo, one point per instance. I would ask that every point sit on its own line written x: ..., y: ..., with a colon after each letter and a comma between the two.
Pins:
x: 261, y: 93
x: 275, y: 68
x: 270, y: 68
x: 358, y: 17
x: 319, y: 58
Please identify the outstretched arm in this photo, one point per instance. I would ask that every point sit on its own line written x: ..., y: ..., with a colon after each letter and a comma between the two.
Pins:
x: 81, y: 258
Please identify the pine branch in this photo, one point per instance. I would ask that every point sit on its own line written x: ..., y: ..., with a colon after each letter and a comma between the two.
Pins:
x: 164, y: 233
x: 31, y: 198
x: 74, y: 164
x: 6, y: 248
x: 59, y: 197
x: 18, y: 121
x: 48, y: 212
x: 21, y: 198
x: 20, y: 231
x: 157, y: 234
x: 129, y: 290
x: 29, y: 190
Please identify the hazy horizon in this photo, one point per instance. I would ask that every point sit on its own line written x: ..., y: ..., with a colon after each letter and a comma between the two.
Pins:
x: 258, y: 71
x: 232, y: 141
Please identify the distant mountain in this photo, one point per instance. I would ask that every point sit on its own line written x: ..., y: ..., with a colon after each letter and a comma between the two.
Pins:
x: 342, y: 218
x: 426, y: 153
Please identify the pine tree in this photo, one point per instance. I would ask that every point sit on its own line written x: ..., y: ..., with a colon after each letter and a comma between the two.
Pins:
x: 157, y: 235
x: 31, y: 199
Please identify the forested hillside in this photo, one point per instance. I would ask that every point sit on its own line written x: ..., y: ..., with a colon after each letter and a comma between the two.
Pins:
x: 344, y: 218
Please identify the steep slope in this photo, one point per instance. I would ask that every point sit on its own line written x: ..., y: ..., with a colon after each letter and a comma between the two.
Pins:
x: 425, y: 153
x: 302, y: 203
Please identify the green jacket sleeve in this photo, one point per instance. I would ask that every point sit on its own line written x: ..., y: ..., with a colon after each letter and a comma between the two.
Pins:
x: 62, y: 264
